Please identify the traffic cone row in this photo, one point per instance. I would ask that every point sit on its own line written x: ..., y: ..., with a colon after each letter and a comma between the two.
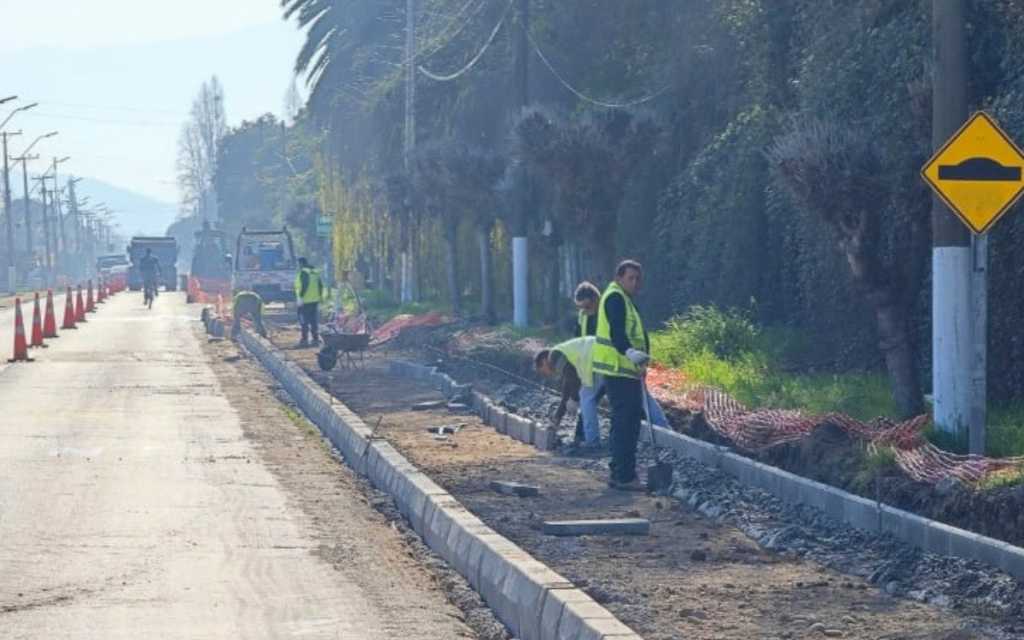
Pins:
x: 44, y: 324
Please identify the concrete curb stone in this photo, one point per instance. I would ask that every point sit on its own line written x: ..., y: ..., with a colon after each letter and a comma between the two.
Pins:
x: 513, y: 583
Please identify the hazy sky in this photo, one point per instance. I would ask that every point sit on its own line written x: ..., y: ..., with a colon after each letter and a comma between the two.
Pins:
x: 117, y: 79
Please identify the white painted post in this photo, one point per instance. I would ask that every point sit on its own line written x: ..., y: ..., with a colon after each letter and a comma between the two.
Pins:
x: 952, y: 338
x: 520, y: 282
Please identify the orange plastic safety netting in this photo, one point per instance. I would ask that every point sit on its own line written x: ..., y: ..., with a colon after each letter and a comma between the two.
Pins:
x: 758, y: 429
x: 390, y: 329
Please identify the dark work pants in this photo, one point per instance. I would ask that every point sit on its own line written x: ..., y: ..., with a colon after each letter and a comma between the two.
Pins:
x: 308, y: 320
x: 626, y: 398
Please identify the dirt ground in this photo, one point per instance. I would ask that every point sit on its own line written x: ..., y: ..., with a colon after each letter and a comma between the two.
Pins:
x: 322, y: 486
x: 692, y: 577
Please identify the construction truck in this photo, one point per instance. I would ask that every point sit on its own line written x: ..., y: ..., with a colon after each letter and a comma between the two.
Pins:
x: 165, y: 248
x: 211, y: 258
x: 265, y: 262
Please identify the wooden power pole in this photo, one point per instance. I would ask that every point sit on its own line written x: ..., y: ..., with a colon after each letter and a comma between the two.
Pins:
x: 953, y: 332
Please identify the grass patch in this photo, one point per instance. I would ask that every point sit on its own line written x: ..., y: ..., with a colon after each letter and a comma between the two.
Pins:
x: 1005, y: 433
x: 725, y: 349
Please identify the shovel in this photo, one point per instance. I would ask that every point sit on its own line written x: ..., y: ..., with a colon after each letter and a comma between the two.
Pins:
x: 659, y: 474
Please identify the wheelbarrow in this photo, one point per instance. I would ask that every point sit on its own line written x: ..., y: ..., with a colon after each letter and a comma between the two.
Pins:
x: 342, y: 347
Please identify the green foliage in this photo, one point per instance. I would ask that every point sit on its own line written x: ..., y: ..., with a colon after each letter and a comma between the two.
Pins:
x: 1010, y: 478
x: 875, y: 461
x: 726, y: 350
x: 1005, y: 432
x: 728, y: 336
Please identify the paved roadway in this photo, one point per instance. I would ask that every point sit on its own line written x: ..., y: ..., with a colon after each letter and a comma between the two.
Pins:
x: 116, y: 523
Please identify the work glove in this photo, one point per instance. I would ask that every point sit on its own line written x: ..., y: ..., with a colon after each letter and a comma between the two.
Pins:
x: 572, y: 406
x: 637, y: 357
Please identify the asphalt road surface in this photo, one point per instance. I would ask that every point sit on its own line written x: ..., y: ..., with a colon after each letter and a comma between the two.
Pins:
x: 133, y: 506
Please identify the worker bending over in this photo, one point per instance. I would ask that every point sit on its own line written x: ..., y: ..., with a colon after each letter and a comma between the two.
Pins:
x: 247, y: 304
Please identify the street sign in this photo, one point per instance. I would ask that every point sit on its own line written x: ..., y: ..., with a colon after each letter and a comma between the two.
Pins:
x: 977, y: 172
x: 324, y: 225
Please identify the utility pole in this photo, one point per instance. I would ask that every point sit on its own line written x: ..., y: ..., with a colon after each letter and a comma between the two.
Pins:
x: 9, y: 215
x: 408, y: 240
x: 28, y: 212
x: 953, y: 328
x: 520, y: 243
x: 78, y: 269
x: 47, y: 260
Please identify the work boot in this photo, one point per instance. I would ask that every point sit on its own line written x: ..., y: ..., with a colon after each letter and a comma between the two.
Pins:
x: 303, y: 343
x: 632, y: 485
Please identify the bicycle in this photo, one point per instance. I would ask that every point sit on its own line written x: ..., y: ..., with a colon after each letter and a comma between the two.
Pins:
x: 148, y: 293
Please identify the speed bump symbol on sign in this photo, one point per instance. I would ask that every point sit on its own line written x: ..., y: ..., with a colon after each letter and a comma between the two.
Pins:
x: 977, y: 172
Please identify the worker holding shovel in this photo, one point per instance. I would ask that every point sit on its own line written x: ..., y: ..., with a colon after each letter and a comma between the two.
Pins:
x: 572, y: 363
x: 621, y: 356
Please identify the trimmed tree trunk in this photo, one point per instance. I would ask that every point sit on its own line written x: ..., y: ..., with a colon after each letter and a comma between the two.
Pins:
x: 897, y: 347
x: 883, y: 290
x: 483, y: 238
x: 551, y: 277
x: 451, y: 241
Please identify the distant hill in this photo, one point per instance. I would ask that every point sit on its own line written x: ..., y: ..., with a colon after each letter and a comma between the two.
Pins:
x: 137, y: 214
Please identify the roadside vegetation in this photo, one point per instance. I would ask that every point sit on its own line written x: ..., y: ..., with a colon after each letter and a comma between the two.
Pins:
x: 725, y: 349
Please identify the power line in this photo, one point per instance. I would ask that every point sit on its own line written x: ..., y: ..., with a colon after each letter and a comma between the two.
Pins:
x: 585, y: 98
x: 452, y: 20
x: 476, y: 58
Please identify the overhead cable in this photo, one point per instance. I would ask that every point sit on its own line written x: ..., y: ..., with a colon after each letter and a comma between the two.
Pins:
x: 443, y: 42
x: 585, y: 98
x: 476, y: 58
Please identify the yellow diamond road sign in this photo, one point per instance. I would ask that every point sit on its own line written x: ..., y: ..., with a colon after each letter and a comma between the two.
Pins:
x: 977, y: 172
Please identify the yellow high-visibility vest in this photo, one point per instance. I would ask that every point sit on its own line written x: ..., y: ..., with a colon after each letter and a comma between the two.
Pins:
x: 580, y: 354
x: 241, y: 296
x: 314, y: 292
x: 607, y: 359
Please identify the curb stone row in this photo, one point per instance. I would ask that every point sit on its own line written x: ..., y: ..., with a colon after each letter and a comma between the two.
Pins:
x: 531, y: 599
x: 869, y: 515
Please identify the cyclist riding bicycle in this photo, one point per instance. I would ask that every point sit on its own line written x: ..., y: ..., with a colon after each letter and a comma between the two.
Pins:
x: 149, y: 267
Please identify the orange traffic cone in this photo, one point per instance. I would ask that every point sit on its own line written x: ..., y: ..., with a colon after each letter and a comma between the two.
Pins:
x: 37, y: 325
x: 49, y: 321
x: 79, y: 307
x: 20, y: 348
x: 69, y: 310
x: 90, y: 303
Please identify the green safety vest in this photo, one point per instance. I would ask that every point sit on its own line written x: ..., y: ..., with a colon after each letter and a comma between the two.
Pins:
x: 580, y: 354
x: 314, y: 292
x: 607, y: 359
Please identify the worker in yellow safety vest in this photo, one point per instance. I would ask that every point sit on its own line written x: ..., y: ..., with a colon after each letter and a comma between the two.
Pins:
x: 247, y: 304
x: 586, y: 297
x: 620, y: 355
x: 309, y: 291
x: 588, y: 433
